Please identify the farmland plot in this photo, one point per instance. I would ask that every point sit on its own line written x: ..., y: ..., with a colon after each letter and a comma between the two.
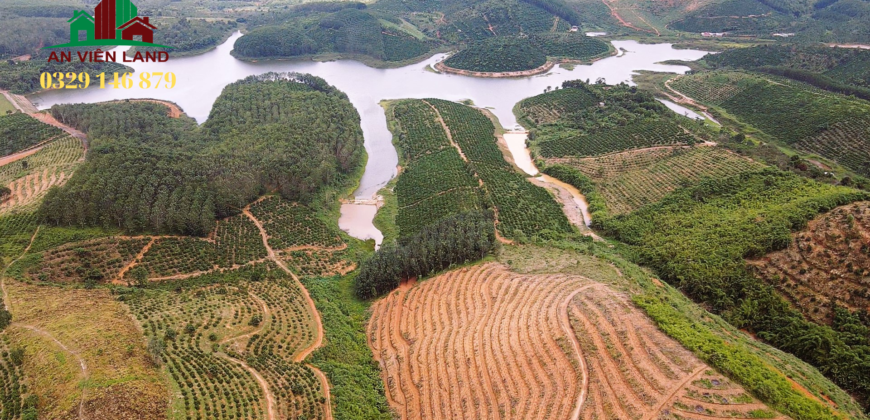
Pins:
x: 827, y: 262
x: 30, y: 177
x: 484, y: 342
x: 631, y: 179
x: 220, y: 339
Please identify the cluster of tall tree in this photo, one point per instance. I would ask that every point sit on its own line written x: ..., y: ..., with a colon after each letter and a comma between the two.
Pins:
x: 349, y: 29
x: 452, y: 240
x: 289, y: 133
x: 22, y: 77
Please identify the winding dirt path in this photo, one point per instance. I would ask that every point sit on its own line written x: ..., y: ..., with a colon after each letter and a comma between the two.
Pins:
x: 8, y: 305
x: 18, y: 156
x: 565, y: 323
x: 669, y: 398
x: 135, y: 260
x: 318, y: 340
x: 270, y: 399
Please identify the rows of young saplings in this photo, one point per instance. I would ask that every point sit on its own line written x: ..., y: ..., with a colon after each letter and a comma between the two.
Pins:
x: 846, y: 142
x: 237, y: 241
x: 17, y: 230
x: 12, y: 390
x: 19, y: 131
x: 26, y: 191
x: 632, y: 179
x: 823, y: 123
x: 500, y: 54
x: 59, y: 155
x: 573, y: 45
x: 635, y: 135
x: 202, y: 333
x: 524, y: 210
x: 712, y: 87
x: 636, y: 369
x: 91, y: 261
x: 543, y: 109
x: 435, y: 182
x: 319, y: 263
x: 528, y: 368
x: 291, y: 224
x: 824, y: 268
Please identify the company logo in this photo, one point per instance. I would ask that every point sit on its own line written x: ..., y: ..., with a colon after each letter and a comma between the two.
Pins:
x: 115, y: 22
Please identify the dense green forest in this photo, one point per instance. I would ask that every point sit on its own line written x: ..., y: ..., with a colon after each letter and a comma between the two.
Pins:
x: 350, y: 30
x: 187, y: 36
x: 697, y: 239
x: 583, y: 119
x: 148, y: 172
x: 457, y: 239
x: 22, y: 77
x: 842, y: 21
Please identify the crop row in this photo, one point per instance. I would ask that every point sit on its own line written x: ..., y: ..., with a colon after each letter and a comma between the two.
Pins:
x: 523, y: 208
x: 206, y: 331
x: 61, y: 153
x: 635, y: 135
x: 420, y: 132
x: 292, y: 225
x: 630, y: 180
x: 319, y: 263
x: 236, y: 242
x: 544, y: 109
x: 90, y: 261
x: 11, y: 389
x: 19, y: 131
x: 433, y: 174
x: 847, y: 142
x: 435, y: 181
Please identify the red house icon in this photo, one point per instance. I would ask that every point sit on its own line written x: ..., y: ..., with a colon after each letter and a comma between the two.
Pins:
x: 117, y: 19
x: 138, y: 26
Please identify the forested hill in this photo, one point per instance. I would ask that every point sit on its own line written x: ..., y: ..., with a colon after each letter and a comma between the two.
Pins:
x: 289, y: 133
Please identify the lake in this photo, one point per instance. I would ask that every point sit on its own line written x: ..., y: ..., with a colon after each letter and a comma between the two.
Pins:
x: 200, y: 80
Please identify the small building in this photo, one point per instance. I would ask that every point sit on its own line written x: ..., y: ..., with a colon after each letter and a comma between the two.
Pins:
x: 81, y: 21
x: 784, y: 35
x: 138, y: 26
x: 575, y: 28
x: 713, y: 34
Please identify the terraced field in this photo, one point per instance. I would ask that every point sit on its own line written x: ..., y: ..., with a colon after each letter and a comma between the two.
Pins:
x: 30, y: 176
x: 484, y: 342
x: 631, y: 179
x: 826, y: 262
x: 234, y: 347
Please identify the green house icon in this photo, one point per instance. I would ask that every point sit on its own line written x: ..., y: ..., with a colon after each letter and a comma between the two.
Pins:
x: 81, y: 21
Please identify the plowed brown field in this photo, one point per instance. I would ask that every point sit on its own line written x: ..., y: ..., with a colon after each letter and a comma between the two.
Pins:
x: 487, y: 343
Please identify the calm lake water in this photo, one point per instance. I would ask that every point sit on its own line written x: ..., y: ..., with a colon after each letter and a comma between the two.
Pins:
x: 200, y: 80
